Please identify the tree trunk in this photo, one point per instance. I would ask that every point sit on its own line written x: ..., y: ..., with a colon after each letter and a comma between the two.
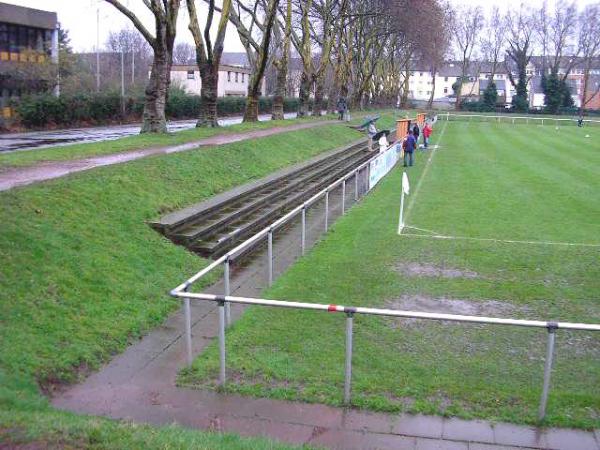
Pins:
x: 157, y: 91
x: 318, y: 105
x: 430, y: 102
x: 208, y: 93
x: 251, y: 112
x: 277, y: 112
x: 404, y: 99
x: 304, y: 95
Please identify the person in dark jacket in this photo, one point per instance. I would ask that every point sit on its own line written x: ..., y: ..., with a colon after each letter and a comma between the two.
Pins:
x: 409, y: 146
x: 416, y: 133
x: 341, y: 106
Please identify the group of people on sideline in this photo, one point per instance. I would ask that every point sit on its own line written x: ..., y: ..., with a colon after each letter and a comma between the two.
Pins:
x: 410, y: 142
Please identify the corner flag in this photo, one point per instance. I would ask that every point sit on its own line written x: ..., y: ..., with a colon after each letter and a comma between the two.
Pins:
x: 405, y: 190
x: 405, y: 185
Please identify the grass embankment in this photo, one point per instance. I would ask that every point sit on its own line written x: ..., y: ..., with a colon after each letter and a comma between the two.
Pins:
x: 485, y: 181
x: 82, y: 274
x: 137, y: 142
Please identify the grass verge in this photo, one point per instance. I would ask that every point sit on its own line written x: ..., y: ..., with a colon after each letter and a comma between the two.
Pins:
x: 137, y: 142
x: 83, y: 275
x: 485, y: 181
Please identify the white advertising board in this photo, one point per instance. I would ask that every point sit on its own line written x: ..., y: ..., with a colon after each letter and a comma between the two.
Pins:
x: 380, y: 166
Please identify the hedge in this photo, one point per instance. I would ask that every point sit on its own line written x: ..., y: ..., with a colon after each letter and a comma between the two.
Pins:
x: 46, y: 110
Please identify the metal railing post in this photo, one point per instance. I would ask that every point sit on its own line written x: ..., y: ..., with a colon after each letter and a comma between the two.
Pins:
x: 348, y: 368
x: 227, y: 291
x: 547, y: 371
x: 188, y: 330
x: 343, y: 196
x: 326, y: 210
x: 303, y: 238
x: 270, y: 255
x: 356, y: 185
x: 221, y: 343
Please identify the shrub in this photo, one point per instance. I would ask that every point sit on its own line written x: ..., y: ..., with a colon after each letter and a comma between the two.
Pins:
x: 46, y: 110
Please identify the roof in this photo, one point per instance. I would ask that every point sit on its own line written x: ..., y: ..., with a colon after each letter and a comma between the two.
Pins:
x: 239, y: 59
x: 28, y: 16
x: 222, y: 68
x: 500, y: 84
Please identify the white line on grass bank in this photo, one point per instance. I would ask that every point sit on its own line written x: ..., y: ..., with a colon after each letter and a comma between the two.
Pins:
x: 500, y: 241
x: 420, y: 182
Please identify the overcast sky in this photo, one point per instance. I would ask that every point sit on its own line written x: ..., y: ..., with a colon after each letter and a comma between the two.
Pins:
x: 79, y: 18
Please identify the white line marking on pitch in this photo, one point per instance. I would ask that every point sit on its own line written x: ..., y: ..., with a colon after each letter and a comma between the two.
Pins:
x: 427, y: 164
x: 500, y: 241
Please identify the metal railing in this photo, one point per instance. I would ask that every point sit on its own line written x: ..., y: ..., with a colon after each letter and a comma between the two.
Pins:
x: 498, y: 118
x: 224, y: 301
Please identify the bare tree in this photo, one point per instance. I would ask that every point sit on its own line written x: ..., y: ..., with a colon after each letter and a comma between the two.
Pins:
x: 165, y: 18
x: 493, y: 41
x: 254, y: 23
x: 137, y: 55
x: 519, y: 28
x: 208, y: 57
x: 467, y: 24
x: 184, y: 53
x: 589, y: 43
x: 281, y: 56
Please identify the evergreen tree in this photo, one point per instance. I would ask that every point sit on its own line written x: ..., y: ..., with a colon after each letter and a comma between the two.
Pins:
x: 490, y: 96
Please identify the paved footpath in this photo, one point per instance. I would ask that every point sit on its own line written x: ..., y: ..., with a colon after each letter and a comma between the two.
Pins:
x: 139, y: 385
x: 22, y: 176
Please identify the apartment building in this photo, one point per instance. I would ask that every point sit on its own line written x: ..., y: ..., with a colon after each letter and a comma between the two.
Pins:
x: 233, y: 80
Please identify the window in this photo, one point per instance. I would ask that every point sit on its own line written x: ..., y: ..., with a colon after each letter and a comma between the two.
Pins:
x: 13, y: 39
x: 420, y: 74
x: 190, y: 75
x: 243, y: 76
x: 445, y: 78
x: 228, y: 76
x: 236, y: 77
x: 445, y: 90
x: 3, y: 37
x: 428, y: 92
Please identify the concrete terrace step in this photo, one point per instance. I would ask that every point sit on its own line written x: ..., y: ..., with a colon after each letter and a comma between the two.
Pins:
x: 172, y: 221
x: 240, y: 209
x: 212, y: 227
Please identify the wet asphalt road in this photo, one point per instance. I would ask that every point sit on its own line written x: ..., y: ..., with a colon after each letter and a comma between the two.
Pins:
x: 11, y: 142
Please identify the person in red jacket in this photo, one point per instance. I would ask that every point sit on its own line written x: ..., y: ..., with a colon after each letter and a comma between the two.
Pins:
x: 426, y: 133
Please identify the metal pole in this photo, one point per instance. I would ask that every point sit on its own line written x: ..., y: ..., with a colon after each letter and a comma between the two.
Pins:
x: 401, y: 219
x: 326, y: 210
x: 98, y: 50
x: 344, y: 196
x: 303, y: 230
x: 222, y: 343
x: 270, y: 255
x: 356, y: 186
x: 227, y: 292
x: 348, y: 370
x: 122, y: 82
x: 547, y: 371
x: 132, y: 66
x: 188, y: 330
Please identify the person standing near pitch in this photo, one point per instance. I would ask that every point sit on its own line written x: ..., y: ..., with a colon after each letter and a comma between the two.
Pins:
x: 426, y: 133
x: 409, y: 145
x: 416, y: 133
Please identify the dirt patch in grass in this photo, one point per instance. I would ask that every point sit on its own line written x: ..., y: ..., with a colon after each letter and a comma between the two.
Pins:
x: 444, y: 305
x: 430, y: 270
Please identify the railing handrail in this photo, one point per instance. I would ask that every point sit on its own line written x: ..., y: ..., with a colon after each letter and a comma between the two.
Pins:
x: 389, y: 312
x: 519, y: 117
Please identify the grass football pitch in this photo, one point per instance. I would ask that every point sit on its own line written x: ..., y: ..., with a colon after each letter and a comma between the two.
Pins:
x: 518, y: 207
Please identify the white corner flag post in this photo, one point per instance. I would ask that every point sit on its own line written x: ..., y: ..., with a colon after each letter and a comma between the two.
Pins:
x: 405, y: 190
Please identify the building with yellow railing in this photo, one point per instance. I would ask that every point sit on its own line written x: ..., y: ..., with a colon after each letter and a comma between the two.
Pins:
x: 28, y: 41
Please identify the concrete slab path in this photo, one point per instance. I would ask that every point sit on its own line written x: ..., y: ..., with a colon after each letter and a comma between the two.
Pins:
x: 139, y: 385
x: 22, y: 176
